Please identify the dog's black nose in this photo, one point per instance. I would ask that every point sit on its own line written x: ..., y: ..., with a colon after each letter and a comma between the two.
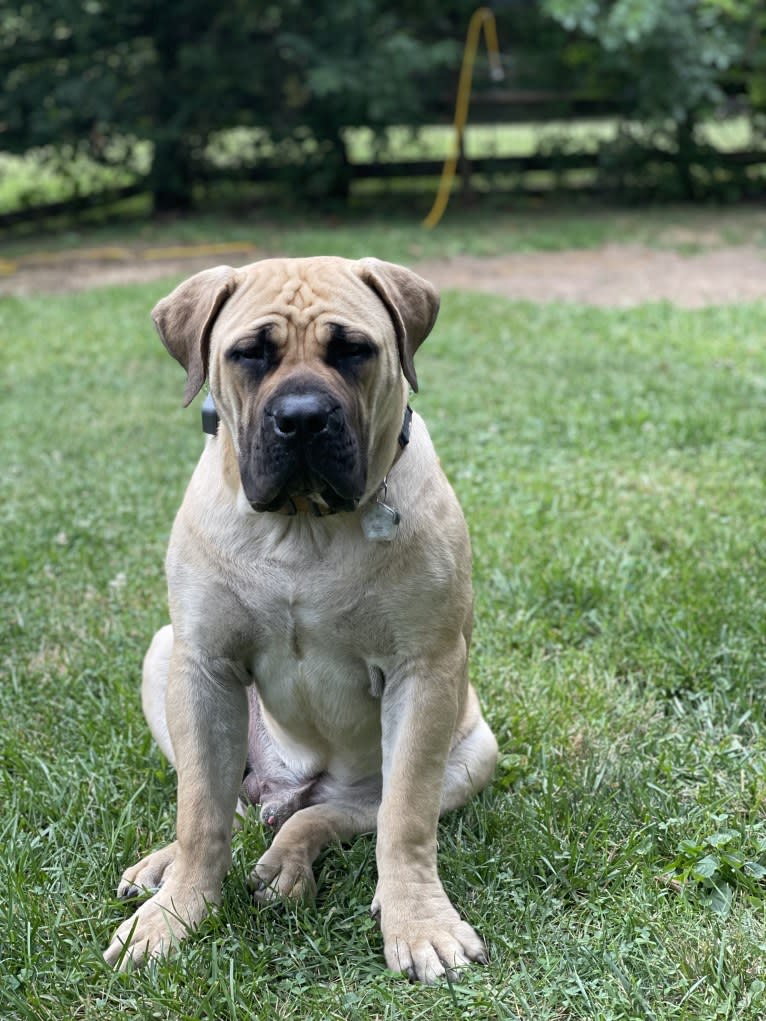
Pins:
x: 298, y: 416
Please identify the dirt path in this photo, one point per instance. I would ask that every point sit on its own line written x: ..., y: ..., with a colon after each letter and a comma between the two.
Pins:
x: 612, y: 276
x: 617, y: 276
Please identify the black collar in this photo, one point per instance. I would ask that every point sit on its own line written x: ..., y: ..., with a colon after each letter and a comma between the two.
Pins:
x: 404, y: 435
x: 210, y: 417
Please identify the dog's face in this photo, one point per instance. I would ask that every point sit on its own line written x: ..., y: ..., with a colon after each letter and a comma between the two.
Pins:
x: 308, y: 362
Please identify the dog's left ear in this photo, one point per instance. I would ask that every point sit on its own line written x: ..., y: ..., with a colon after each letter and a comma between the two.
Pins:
x: 185, y: 319
x: 412, y: 303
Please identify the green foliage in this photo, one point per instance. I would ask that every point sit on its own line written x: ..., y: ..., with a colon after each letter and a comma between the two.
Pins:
x: 150, y: 91
x: 360, y: 64
x: 665, y: 58
x: 722, y: 864
x: 671, y: 64
x: 100, y: 78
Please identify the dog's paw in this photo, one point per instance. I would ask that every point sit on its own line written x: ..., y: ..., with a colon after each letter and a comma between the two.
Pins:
x: 277, y: 875
x: 423, y: 935
x: 148, y: 875
x: 158, y: 926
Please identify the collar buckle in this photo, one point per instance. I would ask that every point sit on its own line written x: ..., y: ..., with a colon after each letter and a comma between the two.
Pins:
x: 210, y: 417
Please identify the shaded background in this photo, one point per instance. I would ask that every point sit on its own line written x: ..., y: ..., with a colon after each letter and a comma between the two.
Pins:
x: 168, y: 106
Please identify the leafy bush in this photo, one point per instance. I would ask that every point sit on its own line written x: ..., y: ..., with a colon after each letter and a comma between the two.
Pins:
x: 670, y: 64
x: 103, y: 77
x: 126, y: 85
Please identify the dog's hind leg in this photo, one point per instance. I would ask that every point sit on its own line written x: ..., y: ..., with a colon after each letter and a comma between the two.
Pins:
x: 269, y: 781
x: 154, y: 686
x: 472, y: 759
x: 338, y: 814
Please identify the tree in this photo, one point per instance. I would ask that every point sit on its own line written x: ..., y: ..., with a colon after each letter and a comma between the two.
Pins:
x: 104, y: 78
x: 355, y: 63
x: 669, y: 59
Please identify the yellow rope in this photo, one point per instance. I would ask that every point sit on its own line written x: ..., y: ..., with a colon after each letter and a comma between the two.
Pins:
x: 481, y: 18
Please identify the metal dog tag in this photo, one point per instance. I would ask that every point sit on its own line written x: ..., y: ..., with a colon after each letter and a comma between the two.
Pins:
x: 380, y: 523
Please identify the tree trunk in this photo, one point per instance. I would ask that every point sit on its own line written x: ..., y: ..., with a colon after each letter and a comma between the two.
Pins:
x: 171, y: 178
x: 172, y: 174
x: 684, y: 156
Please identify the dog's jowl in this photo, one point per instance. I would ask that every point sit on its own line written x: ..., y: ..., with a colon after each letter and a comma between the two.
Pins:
x: 320, y: 598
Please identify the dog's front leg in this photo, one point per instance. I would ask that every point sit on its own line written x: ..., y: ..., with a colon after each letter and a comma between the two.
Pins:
x: 207, y: 720
x: 423, y: 934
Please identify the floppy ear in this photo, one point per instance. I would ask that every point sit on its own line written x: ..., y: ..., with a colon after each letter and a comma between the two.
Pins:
x: 412, y: 303
x: 185, y: 318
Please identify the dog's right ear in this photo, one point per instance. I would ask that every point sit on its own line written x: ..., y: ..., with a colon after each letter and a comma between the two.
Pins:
x: 185, y: 319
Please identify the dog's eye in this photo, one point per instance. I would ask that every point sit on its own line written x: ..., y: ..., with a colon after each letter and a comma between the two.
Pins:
x: 348, y: 353
x: 259, y: 354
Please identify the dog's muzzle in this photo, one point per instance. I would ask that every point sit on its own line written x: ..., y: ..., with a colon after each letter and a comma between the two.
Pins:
x: 303, y: 447
x: 304, y: 417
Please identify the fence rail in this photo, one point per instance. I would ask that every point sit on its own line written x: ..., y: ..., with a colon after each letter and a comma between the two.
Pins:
x: 558, y: 164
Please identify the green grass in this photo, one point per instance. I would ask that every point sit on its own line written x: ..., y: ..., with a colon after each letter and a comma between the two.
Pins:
x: 611, y: 465
x: 392, y: 230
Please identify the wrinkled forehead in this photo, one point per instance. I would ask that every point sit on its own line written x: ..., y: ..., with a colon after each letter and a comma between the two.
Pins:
x: 303, y: 293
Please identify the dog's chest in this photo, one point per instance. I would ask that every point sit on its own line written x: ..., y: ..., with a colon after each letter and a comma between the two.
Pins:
x: 315, y: 661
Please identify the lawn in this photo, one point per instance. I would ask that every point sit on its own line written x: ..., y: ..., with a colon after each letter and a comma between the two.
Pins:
x: 611, y: 465
x: 390, y: 230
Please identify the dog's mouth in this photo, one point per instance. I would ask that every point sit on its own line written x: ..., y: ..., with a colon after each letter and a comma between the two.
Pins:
x: 303, y: 455
x: 301, y: 494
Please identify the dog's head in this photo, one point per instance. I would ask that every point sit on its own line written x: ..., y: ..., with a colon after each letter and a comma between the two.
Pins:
x: 308, y: 362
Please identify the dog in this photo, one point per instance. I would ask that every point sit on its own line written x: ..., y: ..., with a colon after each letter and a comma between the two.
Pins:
x: 319, y: 578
